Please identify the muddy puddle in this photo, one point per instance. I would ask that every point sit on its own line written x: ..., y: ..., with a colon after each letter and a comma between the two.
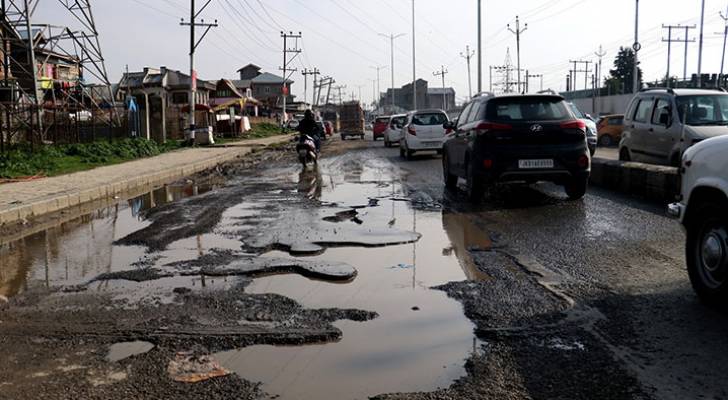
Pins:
x: 81, y: 248
x: 420, y: 340
x: 349, y: 212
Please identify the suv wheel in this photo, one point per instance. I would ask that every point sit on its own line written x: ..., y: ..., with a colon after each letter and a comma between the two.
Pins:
x: 451, y: 181
x: 401, y: 151
x: 576, y: 189
x: 707, y: 253
x: 476, y: 187
x: 624, y: 155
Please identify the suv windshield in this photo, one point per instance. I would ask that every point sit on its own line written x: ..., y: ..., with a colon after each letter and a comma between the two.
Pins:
x: 704, y: 110
x: 429, y: 119
x: 527, y: 109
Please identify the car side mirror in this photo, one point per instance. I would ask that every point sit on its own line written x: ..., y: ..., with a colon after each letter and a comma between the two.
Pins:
x: 589, y: 117
x: 447, y: 125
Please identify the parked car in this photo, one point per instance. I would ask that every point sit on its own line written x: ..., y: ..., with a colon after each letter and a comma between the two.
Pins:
x: 591, y: 127
x: 517, y: 139
x: 661, y: 124
x: 393, y: 133
x: 380, y: 125
x: 702, y: 211
x: 424, y: 130
x: 329, y: 128
x: 609, y: 129
x: 292, y: 124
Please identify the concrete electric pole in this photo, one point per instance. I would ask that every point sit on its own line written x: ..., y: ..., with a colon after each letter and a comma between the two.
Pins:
x: 468, y: 55
x: 725, y: 38
x: 518, y: 31
x: 391, y: 38
x: 442, y: 74
x: 194, y: 13
x: 669, y: 42
x: 287, y: 72
x: 378, y: 98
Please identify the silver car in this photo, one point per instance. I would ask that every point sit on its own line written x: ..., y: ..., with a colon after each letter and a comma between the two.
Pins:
x: 660, y: 124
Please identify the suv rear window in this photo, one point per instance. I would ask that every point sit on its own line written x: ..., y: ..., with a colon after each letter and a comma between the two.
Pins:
x: 429, y: 119
x: 527, y: 109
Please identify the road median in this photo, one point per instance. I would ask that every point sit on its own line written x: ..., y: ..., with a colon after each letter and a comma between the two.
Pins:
x: 653, y: 182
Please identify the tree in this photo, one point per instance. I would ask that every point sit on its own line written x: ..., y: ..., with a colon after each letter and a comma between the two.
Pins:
x: 621, y: 77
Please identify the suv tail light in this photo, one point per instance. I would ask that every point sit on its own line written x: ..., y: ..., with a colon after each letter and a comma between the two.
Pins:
x: 583, y: 161
x: 411, y: 130
x: 491, y: 126
x: 576, y: 124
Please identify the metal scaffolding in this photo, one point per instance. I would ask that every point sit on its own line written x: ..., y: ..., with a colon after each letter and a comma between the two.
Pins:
x: 34, y: 100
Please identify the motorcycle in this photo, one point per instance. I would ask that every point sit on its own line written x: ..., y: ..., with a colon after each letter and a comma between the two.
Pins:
x: 306, y: 150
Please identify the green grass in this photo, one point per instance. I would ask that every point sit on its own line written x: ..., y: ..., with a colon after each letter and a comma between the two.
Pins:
x: 19, y: 161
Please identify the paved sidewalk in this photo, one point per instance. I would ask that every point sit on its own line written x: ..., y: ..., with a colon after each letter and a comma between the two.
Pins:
x: 34, y: 198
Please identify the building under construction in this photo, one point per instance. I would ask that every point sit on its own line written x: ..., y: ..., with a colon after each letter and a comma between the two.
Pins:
x: 46, y: 94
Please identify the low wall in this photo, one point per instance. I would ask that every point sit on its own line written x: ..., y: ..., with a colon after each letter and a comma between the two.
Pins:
x: 653, y: 182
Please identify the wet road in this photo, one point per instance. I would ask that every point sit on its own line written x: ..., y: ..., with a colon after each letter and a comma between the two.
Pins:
x: 361, y: 278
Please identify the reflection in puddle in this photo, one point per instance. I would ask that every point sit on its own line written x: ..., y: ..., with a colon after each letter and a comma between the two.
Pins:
x: 77, y: 250
x: 420, y: 340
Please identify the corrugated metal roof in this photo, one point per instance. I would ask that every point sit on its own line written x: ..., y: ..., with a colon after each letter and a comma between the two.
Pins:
x: 267, y: 77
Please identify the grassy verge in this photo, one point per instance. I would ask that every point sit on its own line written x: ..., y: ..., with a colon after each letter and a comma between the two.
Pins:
x: 58, y: 160
x: 19, y: 161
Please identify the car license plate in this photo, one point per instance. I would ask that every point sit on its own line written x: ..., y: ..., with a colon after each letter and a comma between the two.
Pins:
x: 432, y: 144
x: 535, y: 164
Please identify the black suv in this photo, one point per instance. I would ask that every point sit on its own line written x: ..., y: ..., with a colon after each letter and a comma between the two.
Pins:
x: 517, y: 138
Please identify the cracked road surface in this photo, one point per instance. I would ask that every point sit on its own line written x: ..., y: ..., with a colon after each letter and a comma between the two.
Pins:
x: 359, y: 279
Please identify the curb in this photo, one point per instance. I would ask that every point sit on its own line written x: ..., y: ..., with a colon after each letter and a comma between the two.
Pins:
x: 57, y: 202
x: 653, y: 182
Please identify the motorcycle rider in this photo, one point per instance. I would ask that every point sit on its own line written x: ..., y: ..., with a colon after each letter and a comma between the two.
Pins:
x: 308, y: 127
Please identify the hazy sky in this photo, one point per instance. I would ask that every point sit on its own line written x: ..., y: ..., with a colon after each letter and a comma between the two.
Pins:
x: 340, y: 37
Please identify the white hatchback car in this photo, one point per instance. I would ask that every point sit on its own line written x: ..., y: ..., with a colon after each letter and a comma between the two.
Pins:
x: 423, y: 131
x: 393, y: 134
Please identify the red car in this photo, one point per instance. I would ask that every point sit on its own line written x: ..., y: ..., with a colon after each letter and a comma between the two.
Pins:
x: 380, y: 125
x: 329, y: 128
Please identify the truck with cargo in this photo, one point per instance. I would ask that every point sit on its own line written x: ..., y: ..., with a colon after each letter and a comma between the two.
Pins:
x: 351, y: 116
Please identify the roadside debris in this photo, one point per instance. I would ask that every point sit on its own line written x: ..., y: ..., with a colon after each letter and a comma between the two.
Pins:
x: 189, y: 368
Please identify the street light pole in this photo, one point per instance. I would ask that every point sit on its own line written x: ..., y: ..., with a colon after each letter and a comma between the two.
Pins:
x: 636, y: 47
x: 391, y: 44
x: 414, y: 59
x: 480, y: 47
x: 700, y: 45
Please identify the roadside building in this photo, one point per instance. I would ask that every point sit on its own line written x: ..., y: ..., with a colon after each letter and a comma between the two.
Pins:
x: 264, y: 86
x: 441, y: 98
x: 163, y: 98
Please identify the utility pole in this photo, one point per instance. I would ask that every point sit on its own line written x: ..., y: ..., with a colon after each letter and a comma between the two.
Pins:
x: 359, y: 87
x: 725, y: 38
x: 670, y: 40
x: 490, y: 80
x: 306, y: 72
x: 529, y: 76
x: 315, y: 73
x: 379, y: 88
x: 339, y: 89
x: 414, y: 59
x: 518, y: 31
x: 601, y: 53
x: 442, y: 74
x: 598, y: 80
x: 700, y: 45
x: 480, y: 49
x: 468, y: 55
x: 636, y: 47
x: 374, y: 91
x: 669, y: 48
x: 288, y: 72
x: 391, y: 38
x: 194, y: 13
x: 687, y: 41
x: 586, y: 72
